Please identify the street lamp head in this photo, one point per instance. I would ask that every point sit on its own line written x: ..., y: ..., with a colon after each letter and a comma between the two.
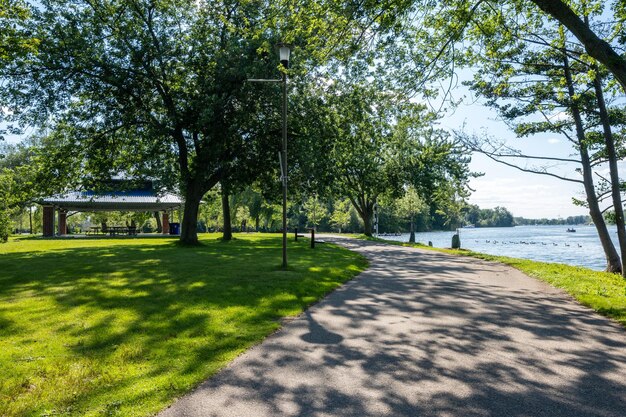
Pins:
x: 284, y: 52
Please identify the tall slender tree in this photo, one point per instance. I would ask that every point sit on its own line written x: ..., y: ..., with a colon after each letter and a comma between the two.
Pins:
x: 529, y: 79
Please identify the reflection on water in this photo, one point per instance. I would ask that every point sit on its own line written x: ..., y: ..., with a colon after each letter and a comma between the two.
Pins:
x: 539, y: 243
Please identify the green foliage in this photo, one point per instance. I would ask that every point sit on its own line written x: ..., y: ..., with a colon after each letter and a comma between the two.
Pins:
x: 435, y: 38
x: 342, y: 214
x: 379, y: 142
x: 496, y: 217
x: 14, y: 40
x: 544, y: 221
x: 315, y: 211
x: 166, y: 95
x: 101, y: 326
x: 410, y: 204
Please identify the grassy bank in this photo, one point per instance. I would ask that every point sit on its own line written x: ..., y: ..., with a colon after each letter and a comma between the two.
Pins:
x: 602, y: 291
x: 121, y: 327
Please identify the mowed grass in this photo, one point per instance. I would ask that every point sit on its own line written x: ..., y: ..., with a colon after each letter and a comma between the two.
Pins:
x: 601, y: 291
x: 107, y: 327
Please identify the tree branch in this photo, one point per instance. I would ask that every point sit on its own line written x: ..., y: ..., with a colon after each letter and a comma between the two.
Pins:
x: 595, y: 47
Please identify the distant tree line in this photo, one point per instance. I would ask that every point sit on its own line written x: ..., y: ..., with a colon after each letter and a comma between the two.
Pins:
x: 521, y: 221
x: 496, y: 217
x: 501, y: 217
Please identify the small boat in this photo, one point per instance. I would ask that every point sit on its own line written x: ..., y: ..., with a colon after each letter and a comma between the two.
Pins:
x: 572, y: 230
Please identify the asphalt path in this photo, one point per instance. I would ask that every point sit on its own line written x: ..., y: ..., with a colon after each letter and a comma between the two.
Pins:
x: 422, y: 333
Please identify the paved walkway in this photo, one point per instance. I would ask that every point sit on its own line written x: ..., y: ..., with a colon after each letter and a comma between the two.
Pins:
x: 427, y: 334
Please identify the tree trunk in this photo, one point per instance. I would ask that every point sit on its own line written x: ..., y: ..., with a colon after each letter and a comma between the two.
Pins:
x: 365, y: 211
x: 30, y: 219
x: 612, y: 157
x: 189, y: 224
x: 367, y: 223
x: 228, y: 231
x: 412, y: 236
x: 612, y: 258
x: 158, y: 222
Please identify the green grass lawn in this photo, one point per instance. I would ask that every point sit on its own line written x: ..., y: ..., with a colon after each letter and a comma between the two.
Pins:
x: 106, y: 327
x: 602, y: 291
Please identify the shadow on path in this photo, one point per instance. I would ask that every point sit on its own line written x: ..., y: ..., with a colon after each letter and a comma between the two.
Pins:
x: 428, y: 334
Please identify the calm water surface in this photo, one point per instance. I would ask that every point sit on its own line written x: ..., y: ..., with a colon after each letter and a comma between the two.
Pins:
x: 539, y: 243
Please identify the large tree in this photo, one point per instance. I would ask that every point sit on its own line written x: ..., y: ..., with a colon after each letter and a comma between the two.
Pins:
x: 20, y: 181
x: 139, y: 85
x: 383, y: 143
x: 530, y: 80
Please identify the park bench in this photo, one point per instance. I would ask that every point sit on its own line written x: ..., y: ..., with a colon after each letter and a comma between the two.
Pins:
x: 313, y: 241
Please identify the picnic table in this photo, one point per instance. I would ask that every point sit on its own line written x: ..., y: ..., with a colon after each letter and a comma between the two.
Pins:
x: 116, y: 230
x: 93, y: 230
x: 122, y: 230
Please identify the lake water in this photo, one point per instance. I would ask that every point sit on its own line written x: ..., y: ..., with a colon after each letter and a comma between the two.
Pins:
x: 539, y: 243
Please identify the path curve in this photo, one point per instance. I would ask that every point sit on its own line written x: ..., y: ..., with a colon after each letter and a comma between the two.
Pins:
x: 422, y: 333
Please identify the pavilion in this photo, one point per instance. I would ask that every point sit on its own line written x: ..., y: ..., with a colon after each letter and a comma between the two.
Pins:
x: 138, y: 198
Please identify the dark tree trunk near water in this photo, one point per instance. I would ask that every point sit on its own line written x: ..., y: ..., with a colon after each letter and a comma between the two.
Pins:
x: 228, y: 230
x: 615, y: 182
x: 612, y: 258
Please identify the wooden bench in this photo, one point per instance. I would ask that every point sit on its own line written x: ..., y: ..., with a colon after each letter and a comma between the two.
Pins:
x: 313, y: 241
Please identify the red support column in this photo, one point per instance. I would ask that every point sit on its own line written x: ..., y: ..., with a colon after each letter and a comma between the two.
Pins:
x: 165, y: 223
x: 48, y: 221
x: 62, y: 222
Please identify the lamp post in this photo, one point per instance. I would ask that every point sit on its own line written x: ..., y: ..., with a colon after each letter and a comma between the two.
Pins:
x: 284, y: 51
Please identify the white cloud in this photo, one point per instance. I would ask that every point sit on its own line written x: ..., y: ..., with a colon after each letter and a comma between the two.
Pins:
x: 554, y: 141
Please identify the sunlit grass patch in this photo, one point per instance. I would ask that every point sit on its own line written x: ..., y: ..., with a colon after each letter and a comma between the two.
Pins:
x: 123, y: 326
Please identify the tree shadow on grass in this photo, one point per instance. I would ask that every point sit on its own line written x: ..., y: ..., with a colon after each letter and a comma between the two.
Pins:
x: 425, y: 334
x: 178, y: 314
